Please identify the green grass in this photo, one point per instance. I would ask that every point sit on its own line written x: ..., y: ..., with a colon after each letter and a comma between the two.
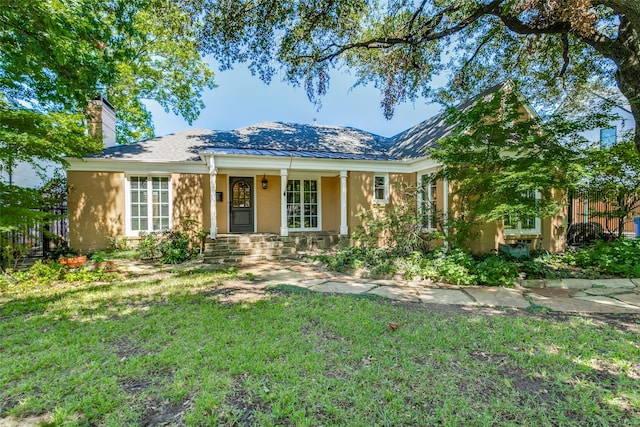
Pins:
x: 165, y: 350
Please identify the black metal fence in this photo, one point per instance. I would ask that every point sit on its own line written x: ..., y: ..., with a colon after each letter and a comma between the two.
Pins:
x: 592, y: 215
x: 37, y: 239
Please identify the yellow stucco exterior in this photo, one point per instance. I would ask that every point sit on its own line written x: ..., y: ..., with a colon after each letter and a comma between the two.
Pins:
x: 97, y: 210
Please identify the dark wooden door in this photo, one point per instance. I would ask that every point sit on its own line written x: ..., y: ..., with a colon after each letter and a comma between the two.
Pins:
x: 241, y: 205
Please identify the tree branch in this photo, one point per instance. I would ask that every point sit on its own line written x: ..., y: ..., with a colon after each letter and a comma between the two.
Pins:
x: 565, y: 54
x: 428, y: 35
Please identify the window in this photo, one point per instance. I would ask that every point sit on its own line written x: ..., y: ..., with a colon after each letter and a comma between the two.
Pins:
x: 148, y: 204
x: 381, y: 188
x: 427, y: 198
x: 522, y: 224
x: 608, y: 137
x: 303, y: 205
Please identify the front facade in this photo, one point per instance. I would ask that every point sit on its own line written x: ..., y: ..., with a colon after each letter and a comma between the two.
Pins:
x: 269, y: 178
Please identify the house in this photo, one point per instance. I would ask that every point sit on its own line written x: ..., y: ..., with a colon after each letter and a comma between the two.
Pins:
x: 281, y: 178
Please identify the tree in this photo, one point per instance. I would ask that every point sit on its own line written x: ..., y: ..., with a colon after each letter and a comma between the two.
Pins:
x: 506, y: 163
x: 614, y: 174
x: 55, y: 56
x: 547, y: 46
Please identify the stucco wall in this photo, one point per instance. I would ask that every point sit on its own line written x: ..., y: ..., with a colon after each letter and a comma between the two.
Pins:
x: 360, y: 194
x: 552, y: 233
x: 96, y: 209
x: 191, y: 199
x: 330, y: 204
x: 268, y: 204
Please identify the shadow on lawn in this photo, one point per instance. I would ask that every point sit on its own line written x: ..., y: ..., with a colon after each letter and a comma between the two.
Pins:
x: 140, y: 339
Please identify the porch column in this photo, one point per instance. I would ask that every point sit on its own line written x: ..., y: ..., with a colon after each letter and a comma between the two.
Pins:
x: 445, y: 207
x: 344, y: 230
x: 212, y: 196
x: 284, y: 231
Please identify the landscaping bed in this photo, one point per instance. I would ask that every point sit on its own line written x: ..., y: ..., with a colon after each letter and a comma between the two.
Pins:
x: 619, y: 258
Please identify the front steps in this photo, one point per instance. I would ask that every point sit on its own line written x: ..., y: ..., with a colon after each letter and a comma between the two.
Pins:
x: 247, y: 248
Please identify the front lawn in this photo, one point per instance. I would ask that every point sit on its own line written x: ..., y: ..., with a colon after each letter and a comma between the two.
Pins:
x: 164, y: 350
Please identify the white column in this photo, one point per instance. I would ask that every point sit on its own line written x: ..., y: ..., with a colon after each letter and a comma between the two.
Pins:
x: 284, y: 230
x: 214, y: 211
x: 344, y: 230
x: 445, y: 208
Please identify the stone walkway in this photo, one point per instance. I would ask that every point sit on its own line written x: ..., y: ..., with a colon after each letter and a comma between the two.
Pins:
x: 563, y: 295
x: 566, y: 295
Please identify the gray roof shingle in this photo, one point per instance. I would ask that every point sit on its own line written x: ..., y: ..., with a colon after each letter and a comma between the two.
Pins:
x: 290, y: 139
x: 269, y: 138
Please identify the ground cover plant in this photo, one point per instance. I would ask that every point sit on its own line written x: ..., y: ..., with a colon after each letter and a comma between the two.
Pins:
x: 166, y: 349
x: 620, y: 258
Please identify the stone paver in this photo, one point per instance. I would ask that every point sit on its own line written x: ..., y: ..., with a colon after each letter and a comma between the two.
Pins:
x: 613, y: 283
x: 396, y: 293
x: 580, y: 284
x: 343, y: 287
x: 577, y: 305
x: 633, y: 299
x: 498, y: 297
x: 605, y: 291
x: 444, y: 296
x: 604, y: 300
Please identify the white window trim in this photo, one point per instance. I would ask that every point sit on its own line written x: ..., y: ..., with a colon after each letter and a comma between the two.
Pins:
x: 525, y: 231
x: 127, y: 201
x: 430, y: 227
x: 385, y: 200
x: 319, y: 181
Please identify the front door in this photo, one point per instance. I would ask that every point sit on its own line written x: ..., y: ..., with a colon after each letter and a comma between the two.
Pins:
x: 241, y: 205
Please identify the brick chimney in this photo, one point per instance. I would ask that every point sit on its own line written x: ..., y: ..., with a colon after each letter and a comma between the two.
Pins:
x: 102, y: 120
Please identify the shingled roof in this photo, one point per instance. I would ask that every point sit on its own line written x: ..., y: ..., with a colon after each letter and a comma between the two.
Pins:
x: 269, y: 138
x: 291, y: 139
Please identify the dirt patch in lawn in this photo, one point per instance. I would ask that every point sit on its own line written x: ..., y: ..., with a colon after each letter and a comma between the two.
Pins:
x: 164, y: 413
x: 243, y: 405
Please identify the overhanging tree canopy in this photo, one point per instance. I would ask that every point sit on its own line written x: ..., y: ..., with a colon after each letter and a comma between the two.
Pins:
x: 401, y: 45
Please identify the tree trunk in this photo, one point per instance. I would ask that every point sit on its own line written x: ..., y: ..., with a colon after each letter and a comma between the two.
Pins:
x: 627, y: 57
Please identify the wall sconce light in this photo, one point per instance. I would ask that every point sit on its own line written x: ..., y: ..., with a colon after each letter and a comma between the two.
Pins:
x: 264, y: 182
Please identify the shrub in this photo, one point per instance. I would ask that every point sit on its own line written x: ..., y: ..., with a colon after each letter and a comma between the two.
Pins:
x: 496, y: 271
x: 455, y: 267
x: 620, y: 257
x: 174, y: 247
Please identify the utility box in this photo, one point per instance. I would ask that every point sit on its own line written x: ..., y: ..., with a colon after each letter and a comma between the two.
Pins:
x: 636, y: 221
x: 516, y: 250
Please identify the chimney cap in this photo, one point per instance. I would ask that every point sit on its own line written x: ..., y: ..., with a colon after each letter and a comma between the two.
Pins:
x: 105, y: 101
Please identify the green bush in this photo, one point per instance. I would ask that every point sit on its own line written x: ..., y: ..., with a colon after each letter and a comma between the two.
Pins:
x: 496, y: 271
x: 170, y: 247
x: 174, y: 248
x: 619, y: 258
x: 455, y: 267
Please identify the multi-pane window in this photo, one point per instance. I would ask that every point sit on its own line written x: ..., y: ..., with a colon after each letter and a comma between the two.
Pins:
x: 302, y: 204
x: 522, y: 224
x: 149, y: 203
x: 427, y: 202
x: 381, y: 188
x: 241, y: 197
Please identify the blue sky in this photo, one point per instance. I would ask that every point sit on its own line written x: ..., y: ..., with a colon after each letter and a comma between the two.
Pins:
x: 242, y: 99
